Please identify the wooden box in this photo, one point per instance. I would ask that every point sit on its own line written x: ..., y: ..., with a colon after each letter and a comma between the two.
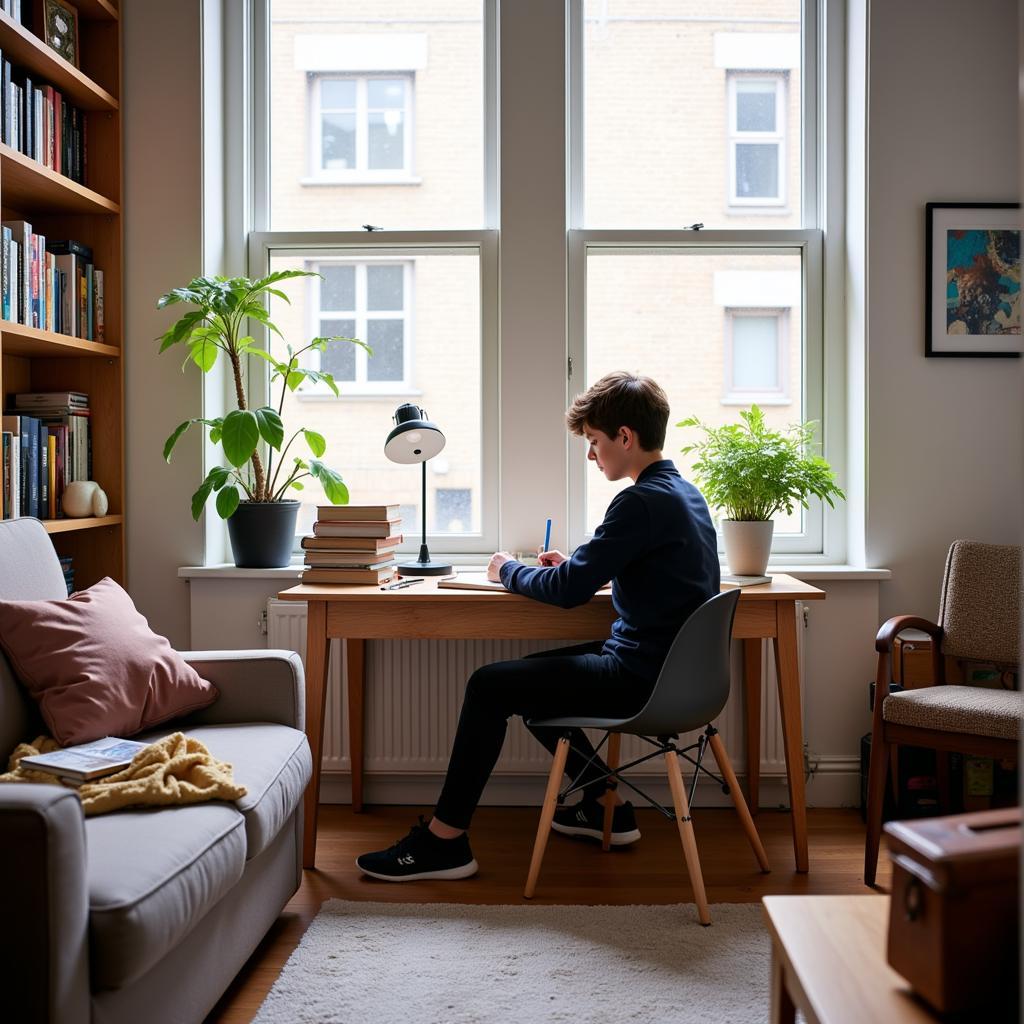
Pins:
x: 954, y: 916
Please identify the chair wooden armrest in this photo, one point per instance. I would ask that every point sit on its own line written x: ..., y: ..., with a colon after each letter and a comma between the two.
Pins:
x: 892, y: 629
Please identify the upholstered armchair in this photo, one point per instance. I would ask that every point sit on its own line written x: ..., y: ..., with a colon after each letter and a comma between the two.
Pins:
x: 979, y: 621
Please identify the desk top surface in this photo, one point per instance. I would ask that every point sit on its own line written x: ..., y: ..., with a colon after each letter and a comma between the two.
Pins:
x: 781, y: 588
x: 835, y: 947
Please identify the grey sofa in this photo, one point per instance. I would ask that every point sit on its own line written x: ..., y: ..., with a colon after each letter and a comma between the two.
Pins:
x: 146, y: 915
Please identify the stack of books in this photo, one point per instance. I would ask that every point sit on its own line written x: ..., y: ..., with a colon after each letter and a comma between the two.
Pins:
x: 45, y: 445
x: 352, y: 544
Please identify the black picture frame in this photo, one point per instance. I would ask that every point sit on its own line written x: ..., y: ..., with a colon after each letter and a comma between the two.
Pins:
x: 985, y: 222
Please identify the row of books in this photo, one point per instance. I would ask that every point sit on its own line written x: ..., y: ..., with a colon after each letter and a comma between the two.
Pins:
x: 45, y: 445
x: 352, y: 544
x: 52, y: 285
x: 37, y: 120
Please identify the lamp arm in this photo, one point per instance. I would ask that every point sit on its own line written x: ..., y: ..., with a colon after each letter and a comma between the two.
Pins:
x: 424, y: 553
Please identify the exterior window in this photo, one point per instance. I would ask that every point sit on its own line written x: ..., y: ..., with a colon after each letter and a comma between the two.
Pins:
x: 454, y: 510
x: 369, y: 301
x: 361, y: 127
x: 756, y: 342
x: 757, y: 119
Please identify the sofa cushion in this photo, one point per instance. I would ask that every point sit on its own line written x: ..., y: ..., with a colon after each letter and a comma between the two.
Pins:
x: 152, y: 876
x: 96, y: 667
x: 272, y: 761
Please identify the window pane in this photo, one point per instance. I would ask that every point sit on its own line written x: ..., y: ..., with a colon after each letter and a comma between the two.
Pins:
x: 385, y: 338
x: 338, y: 287
x: 338, y: 141
x: 445, y: 371
x: 656, y: 109
x: 693, y: 288
x: 382, y: 93
x: 340, y: 357
x: 384, y: 287
x: 386, y: 138
x: 337, y: 95
x: 755, y: 352
x: 417, y: 72
x: 755, y: 106
x: 454, y: 508
x: 757, y: 170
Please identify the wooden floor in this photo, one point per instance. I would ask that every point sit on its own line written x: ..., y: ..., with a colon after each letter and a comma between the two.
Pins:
x: 575, y: 871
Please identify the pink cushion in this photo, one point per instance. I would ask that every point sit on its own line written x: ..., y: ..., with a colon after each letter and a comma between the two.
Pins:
x: 96, y: 667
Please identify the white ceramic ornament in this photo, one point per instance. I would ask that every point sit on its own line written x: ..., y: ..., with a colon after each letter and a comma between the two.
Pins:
x: 84, y: 498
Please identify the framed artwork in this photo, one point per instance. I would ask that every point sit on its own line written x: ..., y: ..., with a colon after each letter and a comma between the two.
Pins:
x: 972, y: 280
x: 57, y: 23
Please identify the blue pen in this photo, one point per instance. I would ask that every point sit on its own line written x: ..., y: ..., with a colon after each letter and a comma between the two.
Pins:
x: 547, y: 535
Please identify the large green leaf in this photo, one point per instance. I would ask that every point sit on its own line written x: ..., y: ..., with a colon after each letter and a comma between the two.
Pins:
x: 181, y: 428
x: 271, y: 427
x: 227, y: 502
x: 281, y: 275
x: 214, y: 481
x: 204, y: 354
x: 181, y: 329
x: 240, y: 434
x: 334, y: 487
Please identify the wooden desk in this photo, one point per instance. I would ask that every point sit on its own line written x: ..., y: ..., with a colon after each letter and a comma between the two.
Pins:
x: 828, y: 960
x: 358, y: 614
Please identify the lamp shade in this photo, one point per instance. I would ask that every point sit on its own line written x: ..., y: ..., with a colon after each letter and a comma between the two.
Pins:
x: 414, y: 437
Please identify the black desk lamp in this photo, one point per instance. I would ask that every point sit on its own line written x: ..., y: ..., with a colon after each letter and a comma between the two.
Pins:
x: 416, y: 439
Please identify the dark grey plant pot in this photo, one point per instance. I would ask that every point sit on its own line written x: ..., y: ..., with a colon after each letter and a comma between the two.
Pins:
x: 263, y: 533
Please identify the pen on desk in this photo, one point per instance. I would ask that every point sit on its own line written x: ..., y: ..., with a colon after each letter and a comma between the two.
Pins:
x: 547, y: 536
x: 402, y: 584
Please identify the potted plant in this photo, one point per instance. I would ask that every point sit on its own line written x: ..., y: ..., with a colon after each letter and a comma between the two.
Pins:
x: 252, y: 492
x: 751, y: 473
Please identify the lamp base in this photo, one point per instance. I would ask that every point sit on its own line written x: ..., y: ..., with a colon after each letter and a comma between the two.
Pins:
x: 428, y: 568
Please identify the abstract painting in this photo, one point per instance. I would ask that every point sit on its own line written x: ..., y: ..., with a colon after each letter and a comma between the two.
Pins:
x: 973, y: 280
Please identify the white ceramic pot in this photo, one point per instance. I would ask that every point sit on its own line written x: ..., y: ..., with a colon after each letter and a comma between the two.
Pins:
x: 747, y: 546
x: 84, y: 498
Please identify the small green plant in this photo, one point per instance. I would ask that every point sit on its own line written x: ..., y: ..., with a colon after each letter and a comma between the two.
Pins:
x: 752, y: 473
x: 215, y: 327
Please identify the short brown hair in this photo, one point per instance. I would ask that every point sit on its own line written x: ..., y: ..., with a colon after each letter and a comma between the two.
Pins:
x: 623, y: 399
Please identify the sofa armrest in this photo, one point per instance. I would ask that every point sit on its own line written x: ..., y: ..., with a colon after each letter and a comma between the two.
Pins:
x: 255, y: 686
x: 44, y: 942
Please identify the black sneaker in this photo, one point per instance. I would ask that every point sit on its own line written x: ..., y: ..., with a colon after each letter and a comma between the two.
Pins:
x: 587, y: 819
x: 420, y: 855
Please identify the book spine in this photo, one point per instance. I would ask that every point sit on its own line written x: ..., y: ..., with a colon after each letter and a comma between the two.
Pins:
x: 30, y: 434
x: 5, y: 470
x: 80, y: 299
x: 44, y: 471
x: 5, y: 271
x: 15, y: 473
x: 58, y: 132
x: 51, y: 477
x: 15, y: 265
x: 101, y: 335
x: 89, y: 292
x: 66, y: 263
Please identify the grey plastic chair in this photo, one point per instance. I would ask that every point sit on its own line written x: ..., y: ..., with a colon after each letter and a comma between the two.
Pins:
x: 690, y: 692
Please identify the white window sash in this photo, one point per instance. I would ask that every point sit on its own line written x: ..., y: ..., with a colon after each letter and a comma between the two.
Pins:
x: 776, y: 138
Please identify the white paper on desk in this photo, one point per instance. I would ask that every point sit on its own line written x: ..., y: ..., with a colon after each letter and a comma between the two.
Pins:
x: 479, y: 581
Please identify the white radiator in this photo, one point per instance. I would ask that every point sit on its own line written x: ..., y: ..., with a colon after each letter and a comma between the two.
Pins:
x: 414, y: 692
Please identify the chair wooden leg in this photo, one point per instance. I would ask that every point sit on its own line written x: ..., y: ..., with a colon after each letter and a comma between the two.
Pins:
x: 725, y: 767
x: 685, y: 824
x: 877, y: 773
x: 614, y: 742
x: 546, y: 814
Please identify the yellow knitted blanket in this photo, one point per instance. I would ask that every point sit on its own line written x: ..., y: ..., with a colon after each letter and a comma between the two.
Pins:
x: 175, y: 770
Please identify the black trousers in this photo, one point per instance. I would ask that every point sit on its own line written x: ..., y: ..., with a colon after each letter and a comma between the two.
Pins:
x: 568, y: 681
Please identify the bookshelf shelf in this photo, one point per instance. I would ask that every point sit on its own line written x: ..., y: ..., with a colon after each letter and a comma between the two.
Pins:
x: 89, y: 523
x: 19, y: 340
x: 28, y: 186
x: 21, y: 47
x: 37, y: 201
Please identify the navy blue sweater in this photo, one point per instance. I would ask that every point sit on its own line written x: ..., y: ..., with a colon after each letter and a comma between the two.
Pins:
x: 658, y: 547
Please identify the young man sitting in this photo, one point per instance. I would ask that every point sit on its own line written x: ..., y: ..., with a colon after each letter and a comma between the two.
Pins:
x: 658, y: 547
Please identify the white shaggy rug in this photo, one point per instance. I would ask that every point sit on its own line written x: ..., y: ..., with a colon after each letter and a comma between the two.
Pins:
x: 449, y: 963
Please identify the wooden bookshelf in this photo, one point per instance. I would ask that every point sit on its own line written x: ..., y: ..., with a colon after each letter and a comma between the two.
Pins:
x: 57, y: 207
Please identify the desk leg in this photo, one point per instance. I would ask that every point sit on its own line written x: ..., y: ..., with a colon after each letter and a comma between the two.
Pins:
x: 355, y: 668
x: 787, y: 669
x: 317, y: 654
x: 783, y: 1010
x: 752, y: 710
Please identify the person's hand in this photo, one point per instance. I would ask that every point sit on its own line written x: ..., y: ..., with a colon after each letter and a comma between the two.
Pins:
x: 498, y: 559
x: 550, y: 557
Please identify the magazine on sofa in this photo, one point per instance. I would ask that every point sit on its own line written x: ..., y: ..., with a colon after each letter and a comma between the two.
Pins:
x: 86, y: 760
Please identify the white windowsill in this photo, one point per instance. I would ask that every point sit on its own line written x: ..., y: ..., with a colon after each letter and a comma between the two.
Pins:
x: 334, y: 182
x: 804, y: 572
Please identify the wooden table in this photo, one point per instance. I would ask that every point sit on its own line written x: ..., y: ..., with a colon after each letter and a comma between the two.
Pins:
x: 358, y: 614
x: 828, y: 960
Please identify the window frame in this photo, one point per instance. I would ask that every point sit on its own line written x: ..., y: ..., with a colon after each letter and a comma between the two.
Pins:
x: 733, y: 395
x: 779, y: 79
x: 362, y: 173
x: 361, y: 385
